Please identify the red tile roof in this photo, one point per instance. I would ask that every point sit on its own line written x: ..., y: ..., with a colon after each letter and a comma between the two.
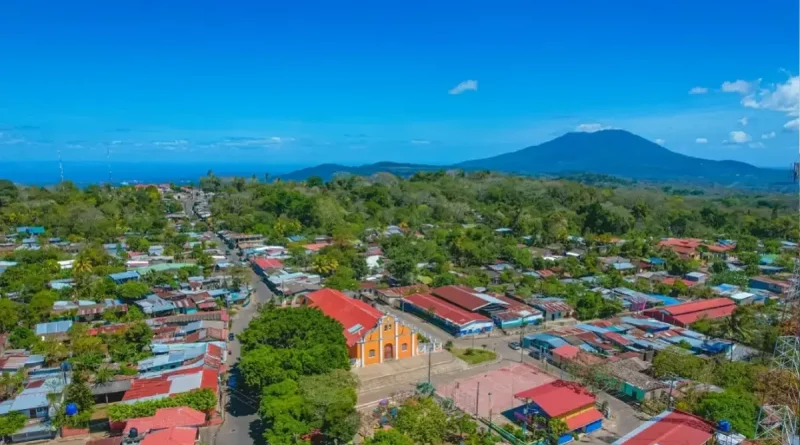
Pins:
x: 171, y: 436
x: 617, y: 338
x: 347, y: 311
x: 143, y: 388
x: 711, y: 314
x: 444, y: 310
x: 583, y: 419
x: 545, y: 273
x: 696, y: 306
x: 167, y: 418
x: 559, y: 397
x: 460, y: 296
x: 673, y: 427
x: 268, y: 263
x: 566, y: 351
x: 315, y: 247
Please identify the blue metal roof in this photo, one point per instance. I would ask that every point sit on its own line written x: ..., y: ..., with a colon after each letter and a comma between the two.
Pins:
x: 55, y: 327
x: 129, y: 275
x: 591, y: 328
x: 550, y: 339
x: 668, y: 301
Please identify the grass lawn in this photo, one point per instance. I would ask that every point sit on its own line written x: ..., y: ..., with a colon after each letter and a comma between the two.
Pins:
x: 473, y: 356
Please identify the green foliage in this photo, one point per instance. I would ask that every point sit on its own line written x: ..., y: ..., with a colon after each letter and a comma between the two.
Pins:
x: 474, y: 356
x: 389, y: 437
x: 133, y: 290
x: 298, y: 356
x: 741, y: 409
x: 79, y: 393
x: 11, y: 423
x: 674, y: 361
x: 128, y: 345
x: 422, y: 420
x: 324, y: 402
x: 288, y: 343
x: 202, y: 400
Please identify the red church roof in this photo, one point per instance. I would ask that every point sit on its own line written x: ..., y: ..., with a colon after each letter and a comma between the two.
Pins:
x: 350, y: 312
x: 444, y: 310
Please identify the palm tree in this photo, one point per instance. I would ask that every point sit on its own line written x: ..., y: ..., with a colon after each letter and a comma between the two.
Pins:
x: 82, y: 266
x: 102, y: 376
x: 740, y: 325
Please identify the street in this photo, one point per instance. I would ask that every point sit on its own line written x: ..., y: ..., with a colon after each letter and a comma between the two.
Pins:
x: 242, y: 423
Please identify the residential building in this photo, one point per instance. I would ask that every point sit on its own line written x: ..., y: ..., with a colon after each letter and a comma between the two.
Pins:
x: 670, y: 427
x: 451, y: 318
x: 165, y: 418
x: 776, y: 286
x: 123, y: 277
x: 552, y: 308
x: 567, y: 401
x: 685, y: 314
x: 372, y: 336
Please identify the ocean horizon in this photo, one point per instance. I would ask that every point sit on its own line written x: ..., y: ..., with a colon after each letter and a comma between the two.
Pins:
x: 83, y: 173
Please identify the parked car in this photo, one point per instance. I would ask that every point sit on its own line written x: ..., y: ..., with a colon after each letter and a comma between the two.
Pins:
x: 231, y: 337
x: 514, y: 345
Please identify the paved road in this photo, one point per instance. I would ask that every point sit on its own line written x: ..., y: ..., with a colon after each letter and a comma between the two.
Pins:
x: 242, y: 423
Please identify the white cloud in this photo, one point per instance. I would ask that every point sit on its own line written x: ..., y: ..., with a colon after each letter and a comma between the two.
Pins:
x: 701, y: 141
x: 769, y: 135
x: 171, y: 143
x: 698, y: 90
x: 784, y: 97
x: 420, y: 142
x: 247, y: 142
x: 660, y: 141
x: 739, y: 86
x: 738, y: 137
x: 467, y: 85
x: 758, y: 144
x: 591, y: 128
x: 116, y: 142
x: 793, y: 124
x: 743, y: 121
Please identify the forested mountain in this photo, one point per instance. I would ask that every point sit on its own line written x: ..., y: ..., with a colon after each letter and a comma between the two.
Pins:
x: 609, y: 152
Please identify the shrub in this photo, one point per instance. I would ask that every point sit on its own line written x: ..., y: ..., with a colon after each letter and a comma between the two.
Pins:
x: 202, y: 400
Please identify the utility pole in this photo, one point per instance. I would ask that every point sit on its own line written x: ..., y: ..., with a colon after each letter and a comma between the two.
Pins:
x: 490, y: 408
x: 477, y: 398
x: 521, y: 332
x: 430, y: 353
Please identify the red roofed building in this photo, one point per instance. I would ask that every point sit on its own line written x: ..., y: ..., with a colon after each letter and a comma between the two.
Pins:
x: 567, y: 401
x: 685, y: 314
x: 450, y: 317
x: 266, y: 265
x: 670, y: 427
x: 164, y: 418
x: 372, y: 336
x: 172, y: 383
x: 171, y: 436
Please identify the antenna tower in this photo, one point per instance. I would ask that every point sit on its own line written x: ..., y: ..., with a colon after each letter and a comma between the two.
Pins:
x: 108, y: 162
x: 778, y: 423
x: 60, y: 165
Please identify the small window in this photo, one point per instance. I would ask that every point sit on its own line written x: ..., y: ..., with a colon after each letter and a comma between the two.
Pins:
x: 387, y: 327
x: 372, y: 353
x: 404, y: 347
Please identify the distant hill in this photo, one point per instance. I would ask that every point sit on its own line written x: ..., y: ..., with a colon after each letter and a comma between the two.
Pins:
x: 328, y: 171
x: 608, y: 152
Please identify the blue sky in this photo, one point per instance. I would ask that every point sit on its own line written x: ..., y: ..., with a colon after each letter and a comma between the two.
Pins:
x: 361, y: 81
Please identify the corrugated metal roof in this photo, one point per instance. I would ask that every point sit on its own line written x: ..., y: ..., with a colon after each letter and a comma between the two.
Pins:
x: 55, y: 327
